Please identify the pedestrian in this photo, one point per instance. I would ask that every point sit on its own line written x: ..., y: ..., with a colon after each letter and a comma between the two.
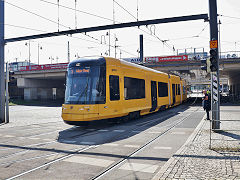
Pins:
x: 206, y: 103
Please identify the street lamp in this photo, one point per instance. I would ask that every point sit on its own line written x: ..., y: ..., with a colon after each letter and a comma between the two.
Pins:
x: 109, y: 42
x: 29, y: 46
x: 116, y: 39
x: 77, y: 56
x: 103, y: 39
x: 39, y: 48
x: 51, y: 58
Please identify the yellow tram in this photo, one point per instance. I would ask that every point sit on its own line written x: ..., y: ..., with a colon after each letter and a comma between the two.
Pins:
x: 103, y: 87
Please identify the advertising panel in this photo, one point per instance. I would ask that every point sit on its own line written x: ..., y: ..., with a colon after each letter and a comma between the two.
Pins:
x: 166, y: 58
x: 44, y: 67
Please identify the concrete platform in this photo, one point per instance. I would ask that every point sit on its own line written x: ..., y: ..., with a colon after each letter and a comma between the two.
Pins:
x: 202, y: 157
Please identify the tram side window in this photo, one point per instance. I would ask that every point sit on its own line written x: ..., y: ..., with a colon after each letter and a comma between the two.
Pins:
x: 162, y: 89
x: 114, y: 88
x: 178, y: 92
x: 134, y: 88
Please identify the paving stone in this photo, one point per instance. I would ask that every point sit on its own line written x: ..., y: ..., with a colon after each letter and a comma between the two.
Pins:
x: 197, y: 161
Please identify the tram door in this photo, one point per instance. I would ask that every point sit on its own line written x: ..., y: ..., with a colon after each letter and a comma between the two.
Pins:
x: 154, y: 95
x: 174, y: 93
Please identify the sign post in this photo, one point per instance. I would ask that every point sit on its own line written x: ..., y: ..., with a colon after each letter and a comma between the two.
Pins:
x: 2, y: 78
x: 215, y: 98
x: 7, y: 94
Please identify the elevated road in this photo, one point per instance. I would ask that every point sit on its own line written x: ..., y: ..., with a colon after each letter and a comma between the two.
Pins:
x: 35, y: 81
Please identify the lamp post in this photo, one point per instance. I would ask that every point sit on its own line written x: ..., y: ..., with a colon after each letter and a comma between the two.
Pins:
x: 77, y: 56
x: 115, y: 46
x: 109, y: 42
x: 39, y: 48
x: 29, y: 50
x: 51, y: 58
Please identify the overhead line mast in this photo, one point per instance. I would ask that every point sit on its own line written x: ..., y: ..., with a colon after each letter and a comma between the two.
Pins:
x: 111, y: 26
x: 2, y: 79
x: 66, y: 32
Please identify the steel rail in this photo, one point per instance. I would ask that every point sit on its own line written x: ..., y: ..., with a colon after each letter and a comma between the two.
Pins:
x: 79, y: 151
x: 112, y: 167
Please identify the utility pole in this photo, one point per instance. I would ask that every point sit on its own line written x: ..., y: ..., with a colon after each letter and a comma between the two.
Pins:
x: 2, y: 79
x: 7, y: 94
x: 39, y: 48
x: 109, y: 42
x: 116, y: 39
x: 141, y: 47
x: 215, y: 98
x: 68, y: 52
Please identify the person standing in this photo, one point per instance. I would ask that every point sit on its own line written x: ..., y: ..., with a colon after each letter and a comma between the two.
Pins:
x: 207, y: 103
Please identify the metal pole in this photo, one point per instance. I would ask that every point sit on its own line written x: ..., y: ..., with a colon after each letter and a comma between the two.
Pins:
x: 115, y: 45
x: 2, y: 79
x: 219, y: 43
x: 38, y: 53
x: 29, y: 53
x: 215, y: 102
x: 68, y: 52
x: 109, y: 43
x: 7, y: 96
x: 141, y: 48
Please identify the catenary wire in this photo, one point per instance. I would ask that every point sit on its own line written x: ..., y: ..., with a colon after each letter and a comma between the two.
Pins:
x: 154, y: 35
x: 78, y: 10
x: 61, y: 25
x: 36, y: 14
x: 98, y: 15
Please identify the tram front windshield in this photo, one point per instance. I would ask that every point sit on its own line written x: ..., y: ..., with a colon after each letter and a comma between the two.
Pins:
x: 86, y: 85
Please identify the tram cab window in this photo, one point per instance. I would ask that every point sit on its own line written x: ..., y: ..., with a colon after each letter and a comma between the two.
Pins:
x: 162, y: 89
x: 114, y: 88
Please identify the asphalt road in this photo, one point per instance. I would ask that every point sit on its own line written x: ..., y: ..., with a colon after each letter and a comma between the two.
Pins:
x: 36, y: 144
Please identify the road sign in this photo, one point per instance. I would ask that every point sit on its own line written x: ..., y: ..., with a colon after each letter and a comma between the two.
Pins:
x: 213, y: 44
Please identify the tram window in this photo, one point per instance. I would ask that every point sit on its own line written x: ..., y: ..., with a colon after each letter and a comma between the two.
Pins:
x: 114, y: 88
x: 178, y: 91
x: 162, y: 89
x: 134, y: 88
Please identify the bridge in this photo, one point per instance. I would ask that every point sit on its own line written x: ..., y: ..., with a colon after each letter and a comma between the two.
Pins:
x: 47, y: 81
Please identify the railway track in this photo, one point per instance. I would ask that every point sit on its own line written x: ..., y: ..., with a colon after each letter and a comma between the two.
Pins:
x: 79, y: 151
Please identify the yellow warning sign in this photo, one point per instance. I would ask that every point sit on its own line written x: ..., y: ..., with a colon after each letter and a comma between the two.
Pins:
x: 213, y: 44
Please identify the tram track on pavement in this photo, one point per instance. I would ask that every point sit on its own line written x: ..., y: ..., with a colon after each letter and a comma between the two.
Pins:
x: 31, y: 146
x: 115, y: 165
x: 3, y: 125
x: 88, y: 147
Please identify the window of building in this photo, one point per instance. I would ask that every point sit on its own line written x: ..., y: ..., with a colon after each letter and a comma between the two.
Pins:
x: 162, y: 89
x: 114, y: 88
x: 134, y: 88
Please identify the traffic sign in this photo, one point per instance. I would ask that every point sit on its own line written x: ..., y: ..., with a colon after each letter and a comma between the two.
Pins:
x: 213, y: 44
